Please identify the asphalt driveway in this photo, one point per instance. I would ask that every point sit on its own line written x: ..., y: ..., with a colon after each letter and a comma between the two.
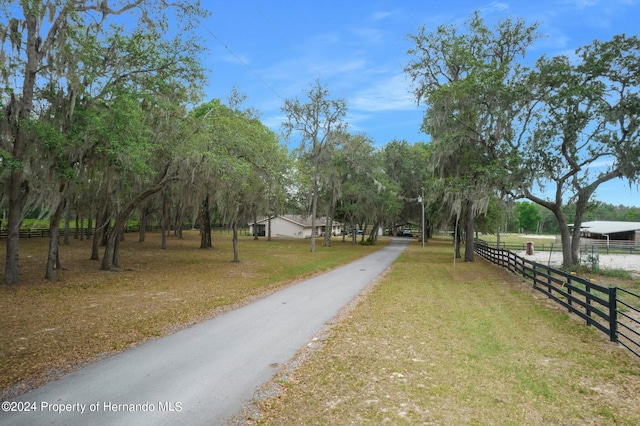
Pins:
x: 206, y: 373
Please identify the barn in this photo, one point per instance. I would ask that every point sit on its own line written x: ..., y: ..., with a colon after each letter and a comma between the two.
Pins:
x: 611, y: 231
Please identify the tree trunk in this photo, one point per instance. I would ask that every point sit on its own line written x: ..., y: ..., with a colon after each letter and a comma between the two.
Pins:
x: 327, y: 231
x: 457, y: 237
x: 234, y: 227
x: 67, y: 219
x: 582, y: 204
x: 89, y: 225
x: 19, y: 112
x: 115, y: 259
x: 96, y: 239
x: 179, y: 222
x: 565, y: 238
x: 144, y: 212
x: 468, y: 248
x: 255, y: 226
x: 100, y: 235
x: 121, y: 220
x: 50, y: 273
x: 373, y: 235
x: 353, y: 233
x: 364, y: 232
x: 106, y: 228
x: 205, y: 224
x: 165, y: 223
x: 14, y: 220
x: 106, y: 259
x: 81, y: 230
x: 77, y: 231
x: 269, y: 228
x: 53, y: 259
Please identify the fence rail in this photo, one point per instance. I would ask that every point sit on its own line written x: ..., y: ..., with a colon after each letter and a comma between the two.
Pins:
x: 614, y: 311
x: 46, y: 232
x: 592, y: 247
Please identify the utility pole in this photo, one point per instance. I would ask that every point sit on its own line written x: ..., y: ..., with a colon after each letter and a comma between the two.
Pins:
x: 421, y: 201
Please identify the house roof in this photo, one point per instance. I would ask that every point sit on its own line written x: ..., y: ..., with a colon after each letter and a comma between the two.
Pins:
x: 304, y: 221
x: 609, y: 227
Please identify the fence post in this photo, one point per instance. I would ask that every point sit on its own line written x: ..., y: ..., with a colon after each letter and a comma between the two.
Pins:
x: 569, y: 292
x: 613, y: 314
x: 588, y: 301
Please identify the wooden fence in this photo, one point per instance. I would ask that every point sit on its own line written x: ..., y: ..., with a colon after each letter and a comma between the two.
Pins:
x: 612, y: 310
x: 46, y: 233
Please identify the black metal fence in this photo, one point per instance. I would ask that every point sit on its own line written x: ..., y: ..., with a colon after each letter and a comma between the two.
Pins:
x: 612, y: 310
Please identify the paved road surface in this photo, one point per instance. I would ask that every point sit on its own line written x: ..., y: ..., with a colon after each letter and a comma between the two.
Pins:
x: 206, y: 373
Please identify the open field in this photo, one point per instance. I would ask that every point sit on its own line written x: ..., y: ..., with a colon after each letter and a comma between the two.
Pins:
x: 519, y: 238
x: 49, y: 328
x: 543, y: 244
x: 464, y: 345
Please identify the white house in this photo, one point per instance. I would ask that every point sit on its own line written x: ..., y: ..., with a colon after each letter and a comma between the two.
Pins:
x: 293, y: 226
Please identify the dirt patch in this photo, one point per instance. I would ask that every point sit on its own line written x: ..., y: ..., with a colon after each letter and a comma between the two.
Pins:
x: 624, y: 262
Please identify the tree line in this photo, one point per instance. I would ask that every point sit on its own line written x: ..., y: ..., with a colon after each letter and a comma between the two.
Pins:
x: 104, y: 120
x: 504, y: 128
x: 533, y: 218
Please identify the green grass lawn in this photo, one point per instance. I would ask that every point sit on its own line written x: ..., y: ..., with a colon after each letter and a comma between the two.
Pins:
x: 468, y: 344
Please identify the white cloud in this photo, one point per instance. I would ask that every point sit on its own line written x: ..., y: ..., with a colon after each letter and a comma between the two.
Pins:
x: 372, y: 35
x: 329, y: 68
x: 379, y: 16
x: 495, y: 6
x: 384, y: 95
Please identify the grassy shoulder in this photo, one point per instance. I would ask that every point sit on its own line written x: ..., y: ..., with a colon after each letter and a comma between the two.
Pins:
x: 49, y: 328
x: 470, y: 344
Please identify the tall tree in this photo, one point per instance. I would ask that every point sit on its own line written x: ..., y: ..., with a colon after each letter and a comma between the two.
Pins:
x: 237, y: 164
x: 471, y: 84
x: 407, y: 166
x: 40, y: 45
x: 528, y: 215
x: 315, y: 121
x: 587, y: 114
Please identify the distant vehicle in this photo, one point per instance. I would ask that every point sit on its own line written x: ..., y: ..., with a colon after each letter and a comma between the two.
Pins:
x: 357, y: 231
x: 407, y: 233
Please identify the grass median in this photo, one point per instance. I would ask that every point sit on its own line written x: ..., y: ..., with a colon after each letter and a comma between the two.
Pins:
x: 470, y: 343
x: 49, y: 328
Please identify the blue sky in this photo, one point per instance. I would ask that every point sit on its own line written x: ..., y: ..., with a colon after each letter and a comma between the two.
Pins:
x: 273, y: 50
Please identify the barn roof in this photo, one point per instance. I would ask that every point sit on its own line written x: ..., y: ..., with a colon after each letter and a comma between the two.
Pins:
x: 609, y: 227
